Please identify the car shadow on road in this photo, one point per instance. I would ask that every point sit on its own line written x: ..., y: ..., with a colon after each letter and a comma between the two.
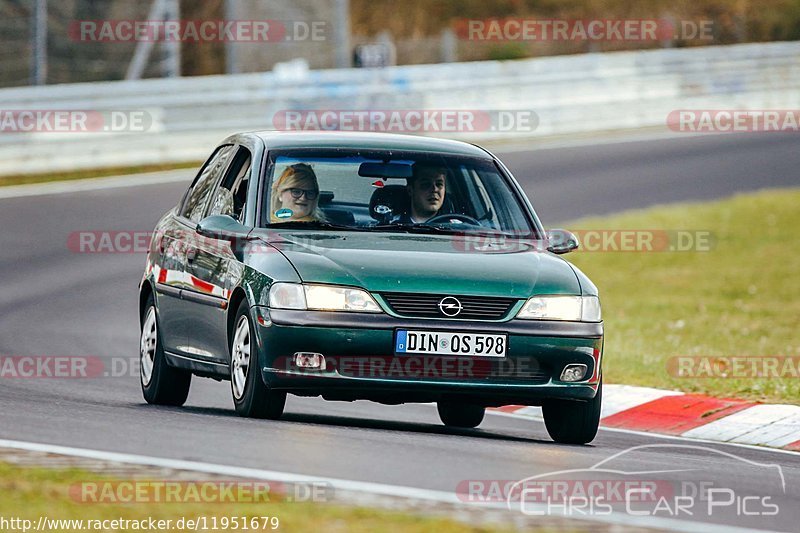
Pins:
x: 409, y: 427
x: 211, y: 411
x: 363, y: 423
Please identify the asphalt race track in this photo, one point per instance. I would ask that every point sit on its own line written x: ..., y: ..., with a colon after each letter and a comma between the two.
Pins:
x: 57, y: 302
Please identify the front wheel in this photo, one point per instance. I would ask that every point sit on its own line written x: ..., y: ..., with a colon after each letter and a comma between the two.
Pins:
x: 251, y: 396
x: 161, y: 383
x: 460, y: 415
x: 573, y: 422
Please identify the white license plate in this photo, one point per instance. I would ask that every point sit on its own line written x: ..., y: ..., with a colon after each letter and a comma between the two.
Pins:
x: 449, y: 343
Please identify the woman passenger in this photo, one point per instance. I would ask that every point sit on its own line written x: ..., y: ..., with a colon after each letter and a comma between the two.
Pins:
x: 295, y: 195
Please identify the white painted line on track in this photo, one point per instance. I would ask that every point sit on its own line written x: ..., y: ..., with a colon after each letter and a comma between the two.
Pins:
x: 97, y: 184
x: 358, y: 486
x: 663, y: 436
x: 760, y: 424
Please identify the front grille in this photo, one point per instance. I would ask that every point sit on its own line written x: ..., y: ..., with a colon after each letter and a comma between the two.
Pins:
x: 427, y: 306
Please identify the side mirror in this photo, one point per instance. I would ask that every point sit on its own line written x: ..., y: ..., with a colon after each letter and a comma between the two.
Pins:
x: 223, y: 227
x: 561, y: 241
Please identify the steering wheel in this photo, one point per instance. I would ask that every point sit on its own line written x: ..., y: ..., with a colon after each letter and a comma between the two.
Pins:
x: 457, y: 216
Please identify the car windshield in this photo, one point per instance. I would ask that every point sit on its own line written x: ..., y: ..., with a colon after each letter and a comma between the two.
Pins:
x: 391, y: 191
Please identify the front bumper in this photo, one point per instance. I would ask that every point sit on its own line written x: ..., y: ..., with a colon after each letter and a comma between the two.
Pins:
x: 361, y: 362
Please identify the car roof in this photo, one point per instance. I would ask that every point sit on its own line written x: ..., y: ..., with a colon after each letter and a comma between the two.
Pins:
x: 366, y: 141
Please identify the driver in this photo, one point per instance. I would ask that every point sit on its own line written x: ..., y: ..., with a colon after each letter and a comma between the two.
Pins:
x: 426, y: 188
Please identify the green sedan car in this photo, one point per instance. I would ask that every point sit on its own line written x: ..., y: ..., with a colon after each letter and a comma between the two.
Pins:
x: 369, y: 266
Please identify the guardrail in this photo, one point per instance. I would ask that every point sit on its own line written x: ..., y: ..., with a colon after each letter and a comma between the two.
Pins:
x: 569, y: 94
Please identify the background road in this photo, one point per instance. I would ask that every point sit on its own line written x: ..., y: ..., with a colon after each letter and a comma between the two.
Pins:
x: 56, y: 302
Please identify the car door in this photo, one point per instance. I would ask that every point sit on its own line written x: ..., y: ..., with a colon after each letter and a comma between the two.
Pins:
x: 212, y: 265
x: 185, y: 221
x: 169, y: 269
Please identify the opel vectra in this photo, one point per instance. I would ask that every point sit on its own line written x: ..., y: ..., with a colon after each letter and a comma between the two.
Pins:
x: 369, y: 266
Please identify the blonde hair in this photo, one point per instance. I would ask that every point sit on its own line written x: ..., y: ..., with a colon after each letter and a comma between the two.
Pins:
x: 294, y: 175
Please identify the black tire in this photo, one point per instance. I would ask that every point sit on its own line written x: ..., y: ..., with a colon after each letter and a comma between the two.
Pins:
x: 167, y: 385
x: 573, y: 422
x: 256, y: 399
x: 460, y: 415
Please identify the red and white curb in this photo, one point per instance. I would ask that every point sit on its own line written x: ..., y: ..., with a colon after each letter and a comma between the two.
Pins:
x: 692, y: 416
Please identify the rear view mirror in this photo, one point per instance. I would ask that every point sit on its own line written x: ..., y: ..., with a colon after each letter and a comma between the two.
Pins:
x: 561, y: 241
x: 384, y: 170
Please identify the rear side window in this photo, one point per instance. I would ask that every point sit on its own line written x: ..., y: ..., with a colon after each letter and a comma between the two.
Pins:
x: 201, y: 189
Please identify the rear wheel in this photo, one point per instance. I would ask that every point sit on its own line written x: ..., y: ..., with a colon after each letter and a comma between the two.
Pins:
x: 573, y: 422
x: 252, y: 398
x: 161, y: 383
x: 460, y: 415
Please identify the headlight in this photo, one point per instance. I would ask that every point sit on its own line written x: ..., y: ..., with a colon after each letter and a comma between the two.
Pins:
x: 573, y: 308
x: 590, y: 311
x: 287, y: 296
x: 330, y: 298
x: 321, y: 298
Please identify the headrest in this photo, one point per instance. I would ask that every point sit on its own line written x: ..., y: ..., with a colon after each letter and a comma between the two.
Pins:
x: 393, y: 197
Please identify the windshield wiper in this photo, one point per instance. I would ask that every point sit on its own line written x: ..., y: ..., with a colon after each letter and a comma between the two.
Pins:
x: 312, y: 224
x: 427, y: 228
x: 414, y: 228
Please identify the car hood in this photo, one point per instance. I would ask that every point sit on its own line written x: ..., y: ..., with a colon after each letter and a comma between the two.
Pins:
x: 400, y: 262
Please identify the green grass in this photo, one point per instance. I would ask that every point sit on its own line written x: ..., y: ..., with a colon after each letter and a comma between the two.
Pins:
x: 740, y: 298
x: 29, y: 493
x: 24, y: 179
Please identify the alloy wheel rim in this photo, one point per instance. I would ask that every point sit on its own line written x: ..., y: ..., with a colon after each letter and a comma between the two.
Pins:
x: 240, y: 357
x: 147, y: 346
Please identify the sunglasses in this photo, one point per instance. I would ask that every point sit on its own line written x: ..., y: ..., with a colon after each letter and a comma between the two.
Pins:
x: 311, y: 194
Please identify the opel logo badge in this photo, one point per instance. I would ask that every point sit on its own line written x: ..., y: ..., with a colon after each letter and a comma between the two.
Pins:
x: 450, y: 306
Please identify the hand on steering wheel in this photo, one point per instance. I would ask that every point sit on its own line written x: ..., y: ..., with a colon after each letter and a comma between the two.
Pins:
x: 454, y: 216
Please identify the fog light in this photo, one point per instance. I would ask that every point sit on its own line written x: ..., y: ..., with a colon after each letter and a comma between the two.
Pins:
x: 309, y: 360
x: 574, y: 372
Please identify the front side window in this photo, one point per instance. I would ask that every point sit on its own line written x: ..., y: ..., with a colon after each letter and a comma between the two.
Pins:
x: 390, y: 190
x: 201, y: 189
x: 231, y: 194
